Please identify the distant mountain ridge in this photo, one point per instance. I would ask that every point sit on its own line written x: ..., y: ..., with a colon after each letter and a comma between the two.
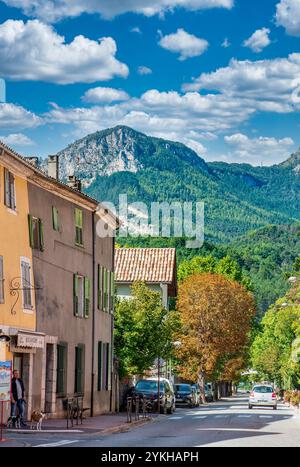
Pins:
x: 238, y: 197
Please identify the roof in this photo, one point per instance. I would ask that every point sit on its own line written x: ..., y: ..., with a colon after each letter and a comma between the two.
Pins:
x: 151, y: 265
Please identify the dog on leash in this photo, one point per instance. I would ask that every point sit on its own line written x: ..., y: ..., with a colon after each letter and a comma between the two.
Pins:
x: 14, y: 422
x: 37, y: 418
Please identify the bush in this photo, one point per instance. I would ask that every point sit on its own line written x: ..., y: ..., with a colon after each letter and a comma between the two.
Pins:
x: 295, y: 399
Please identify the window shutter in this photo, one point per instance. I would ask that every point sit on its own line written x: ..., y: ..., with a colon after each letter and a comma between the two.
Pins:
x: 30, y: 225
x: 12, y: 191
x: 105, y: 289
x: 100, y: 287
x: 109, y: 358
x: 75, y: 295
x: 87, y: 296
x: 55, y: 219
x: 100, y: 366
x: 6, y: 188
x: 1, y: 280
x: 112, y: 291
x: 41, y: 235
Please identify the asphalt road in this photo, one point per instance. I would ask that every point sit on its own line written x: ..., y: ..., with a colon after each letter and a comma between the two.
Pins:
x: 228, y: 423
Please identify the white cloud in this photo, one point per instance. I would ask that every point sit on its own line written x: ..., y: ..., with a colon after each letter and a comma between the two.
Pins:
x: 106, y: 95
x: 259, y: 40
x: 136, y: 30
x: 187, y: 45
x: 265, y: 85
x: 17, y: 139
x: 16, y: 117
x: 144, y: 70
x: 34, y: 51
x: 256, y: 150
x: 288, y: 16
x: 53, y: 10
x: 226, y: 43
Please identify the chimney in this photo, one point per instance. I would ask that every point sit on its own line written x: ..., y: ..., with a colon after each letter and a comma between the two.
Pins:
x: 75, y: 183
x: 53, y: 167
x: 33, y: 160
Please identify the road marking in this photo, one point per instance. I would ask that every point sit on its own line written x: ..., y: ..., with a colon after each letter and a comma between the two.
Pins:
x: 64, y: 442
x: 221, y: 416
x: 239, y: 407
x: 244, y: 416
x: 202, y: 417
x: 266, y: 416
x: 175, y: 418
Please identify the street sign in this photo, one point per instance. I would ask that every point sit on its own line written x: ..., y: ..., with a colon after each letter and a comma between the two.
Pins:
x: 5, y: 381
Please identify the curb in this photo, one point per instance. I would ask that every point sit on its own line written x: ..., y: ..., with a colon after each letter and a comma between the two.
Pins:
x: 124, y: 428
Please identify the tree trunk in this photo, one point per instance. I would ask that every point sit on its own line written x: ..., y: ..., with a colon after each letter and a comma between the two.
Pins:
x: 201, y: 382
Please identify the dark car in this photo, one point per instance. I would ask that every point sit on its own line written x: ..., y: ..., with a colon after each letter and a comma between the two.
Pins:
x: 149, y: 389
x: 185, y: 395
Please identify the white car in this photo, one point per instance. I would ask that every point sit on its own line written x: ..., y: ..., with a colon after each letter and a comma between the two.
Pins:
x: 263, y: 396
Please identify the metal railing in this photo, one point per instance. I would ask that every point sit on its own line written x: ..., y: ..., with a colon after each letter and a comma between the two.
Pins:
x: 138, y: 407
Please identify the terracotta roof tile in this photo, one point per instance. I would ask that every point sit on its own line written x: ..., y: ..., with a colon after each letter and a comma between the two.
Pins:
x: 151, y: 265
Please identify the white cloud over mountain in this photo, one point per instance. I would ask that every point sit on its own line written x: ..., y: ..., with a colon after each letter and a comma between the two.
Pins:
x: 34, y: 51
x: 54, y: 10
x: 265, y: 85
x: 261, y: 149
x: 17, y: 139
x: 187, y: 45
x: 288, y: 16
x: 16, y: 117
x: 259, y: 40
x: 107, y: 95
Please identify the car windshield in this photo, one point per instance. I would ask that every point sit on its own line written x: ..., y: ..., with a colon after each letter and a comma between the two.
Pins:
x: 183, y: 388
x: 263, y: 389
x: 148, y: 386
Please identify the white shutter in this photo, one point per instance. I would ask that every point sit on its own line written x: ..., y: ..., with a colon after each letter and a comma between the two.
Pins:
x: 26, y: 281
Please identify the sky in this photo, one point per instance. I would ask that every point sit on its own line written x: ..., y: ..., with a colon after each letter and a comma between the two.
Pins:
x: 221, y: 76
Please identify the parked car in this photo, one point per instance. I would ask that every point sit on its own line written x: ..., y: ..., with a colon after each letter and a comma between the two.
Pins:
x: 185, y: 394
x: 149, y: 389
x: 209, y: 393
x: 263, y: 396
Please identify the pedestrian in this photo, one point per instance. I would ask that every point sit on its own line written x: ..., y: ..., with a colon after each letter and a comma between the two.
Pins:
x: 18, y: 398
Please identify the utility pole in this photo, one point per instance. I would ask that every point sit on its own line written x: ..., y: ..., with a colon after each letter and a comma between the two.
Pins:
x: 158, y: 386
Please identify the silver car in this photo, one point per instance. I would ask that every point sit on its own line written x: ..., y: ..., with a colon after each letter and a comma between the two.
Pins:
x: 263, y: 395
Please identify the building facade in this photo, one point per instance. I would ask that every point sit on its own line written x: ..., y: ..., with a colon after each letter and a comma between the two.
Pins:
x: 17, y: 292
x: 72, y: 288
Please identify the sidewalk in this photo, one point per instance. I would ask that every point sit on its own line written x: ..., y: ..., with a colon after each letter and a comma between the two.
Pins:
x: 102, y: 424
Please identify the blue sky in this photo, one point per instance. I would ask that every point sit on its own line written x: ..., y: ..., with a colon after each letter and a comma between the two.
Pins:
x: 221, y: 76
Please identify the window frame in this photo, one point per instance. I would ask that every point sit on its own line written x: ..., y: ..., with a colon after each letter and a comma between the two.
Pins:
x: 26, y: 291
x: 9, y: 190
x: 78, y: 215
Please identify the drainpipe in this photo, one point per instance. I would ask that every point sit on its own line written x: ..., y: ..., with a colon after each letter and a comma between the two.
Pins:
x: 93, y: 314
x: 112, y: 382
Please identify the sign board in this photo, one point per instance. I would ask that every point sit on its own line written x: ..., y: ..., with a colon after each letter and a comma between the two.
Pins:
x: 5, y: 381
x: 30, y: 340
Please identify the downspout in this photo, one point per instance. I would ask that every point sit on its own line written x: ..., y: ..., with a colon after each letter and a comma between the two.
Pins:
x: 93, y: 313
x: 112, y: 382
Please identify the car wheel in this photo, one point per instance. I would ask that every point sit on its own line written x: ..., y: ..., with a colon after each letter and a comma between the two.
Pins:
x: 275, y: 407
x: 163, y: 410
x: 170, y: 410
x: 250, y: 407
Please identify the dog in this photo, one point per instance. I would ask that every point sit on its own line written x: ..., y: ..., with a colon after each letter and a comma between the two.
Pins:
x: 14, y: 422
x: 37, y: 418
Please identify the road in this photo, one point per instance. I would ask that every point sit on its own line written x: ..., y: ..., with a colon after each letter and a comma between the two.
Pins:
x: 228, y: 423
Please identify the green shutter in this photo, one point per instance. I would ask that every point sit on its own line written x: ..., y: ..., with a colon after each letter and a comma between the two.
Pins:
x: 87, y: 296
x: 41, y: 235
x: 105, y: 290
x: 100, y: 366
x: 30, y: 226
x: 75, y: 295
x: 55, y: 219
x: 78, y: 218
x: 112, y: 291
x: 109, y: 361
x: 100, y: 287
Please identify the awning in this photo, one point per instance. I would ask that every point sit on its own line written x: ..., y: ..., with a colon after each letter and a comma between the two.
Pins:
x: 31, y: 340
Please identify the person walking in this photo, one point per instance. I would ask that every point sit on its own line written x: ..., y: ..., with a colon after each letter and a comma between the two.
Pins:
x: 18, y: 398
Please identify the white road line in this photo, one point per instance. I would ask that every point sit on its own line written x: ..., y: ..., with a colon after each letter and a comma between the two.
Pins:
x: 244, y: 416
x: 266, y: 416
x: 202, y: 417
x: 57, y: 444
x: 175, y: 418
x: 221, y: 416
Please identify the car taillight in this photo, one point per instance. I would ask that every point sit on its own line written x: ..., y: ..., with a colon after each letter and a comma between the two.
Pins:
x: 251, y: 394
x: 274, y: 396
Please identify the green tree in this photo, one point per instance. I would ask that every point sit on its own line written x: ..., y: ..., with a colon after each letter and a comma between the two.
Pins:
x: 143, y: 330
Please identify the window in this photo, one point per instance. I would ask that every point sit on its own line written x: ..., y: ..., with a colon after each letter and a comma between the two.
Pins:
x: 61, y: 369
x: 55, y: 219
x: 106, y: 289
x: 1, y: 280
x: 26, y: 284
x: 79, y: 227
x: 82, y: 296
x: 79, y: 369
x: 104, y: 366
x: 36, y: 233
x: 9, y: 194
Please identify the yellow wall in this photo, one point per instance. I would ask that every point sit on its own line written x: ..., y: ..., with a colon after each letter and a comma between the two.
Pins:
x: 14, y: 244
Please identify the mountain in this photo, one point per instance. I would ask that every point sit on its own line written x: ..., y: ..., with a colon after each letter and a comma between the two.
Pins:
x: 238, y: 197
x: 293, y: 163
